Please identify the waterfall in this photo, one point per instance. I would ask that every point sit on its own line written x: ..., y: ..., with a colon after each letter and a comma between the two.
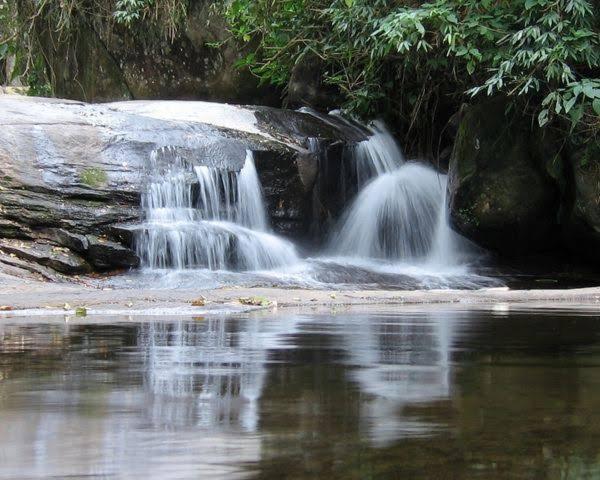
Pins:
x: 376, y: 156
x: 400, y: 211
x: 208, y: 225
x: 206, y: 217
x: 251, y: 210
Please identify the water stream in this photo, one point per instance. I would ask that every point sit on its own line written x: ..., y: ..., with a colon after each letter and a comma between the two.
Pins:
x: 209, y: 223
x: 400, y: 214
x: 207, y: 217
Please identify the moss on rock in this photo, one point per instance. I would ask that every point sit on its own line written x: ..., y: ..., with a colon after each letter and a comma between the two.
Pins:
x: 581, y: 228
x: 499, y: 194
x: 93, y: 177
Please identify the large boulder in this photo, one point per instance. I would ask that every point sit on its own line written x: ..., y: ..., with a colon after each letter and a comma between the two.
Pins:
x: 581, y: 223
x: 500, y: 193
x: 99, y: 60
x: 72, y: 173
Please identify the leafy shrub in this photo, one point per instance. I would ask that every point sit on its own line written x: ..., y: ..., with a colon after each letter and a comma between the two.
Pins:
x: 408, y: 56
x: 169, y: 14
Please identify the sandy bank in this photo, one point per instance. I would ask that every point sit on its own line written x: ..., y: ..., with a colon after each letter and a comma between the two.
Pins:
x: 22, y: 298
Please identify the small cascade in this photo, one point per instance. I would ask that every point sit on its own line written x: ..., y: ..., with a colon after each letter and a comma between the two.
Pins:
x: 250, y: 209
x: 376, y: 156
x: 400, y: 211
x: 206, y: 217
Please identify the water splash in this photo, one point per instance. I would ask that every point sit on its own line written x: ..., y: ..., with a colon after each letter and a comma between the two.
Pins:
x: 206, y: 217
x: 394, y: 217
x: 394, y: 234
x: 400, y: 213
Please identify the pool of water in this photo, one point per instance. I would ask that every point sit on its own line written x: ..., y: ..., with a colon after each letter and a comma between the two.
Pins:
x: 429, y: 392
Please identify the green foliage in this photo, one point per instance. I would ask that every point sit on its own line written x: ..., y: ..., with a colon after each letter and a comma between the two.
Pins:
x: 7, y: 36
x: 543, y: 54
x: 168, y: 14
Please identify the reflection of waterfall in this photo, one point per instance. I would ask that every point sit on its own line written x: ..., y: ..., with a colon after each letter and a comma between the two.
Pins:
x: 207, y: 217
x: 400, y: 363
x: 400, y: 213
x: 220, y: 364
x: 212, y: 373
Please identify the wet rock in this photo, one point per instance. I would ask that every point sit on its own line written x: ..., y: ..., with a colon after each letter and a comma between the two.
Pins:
x: 298, y: 126
x: 72, y: 172
x: 74, y: 241
x: 307, y: 86
x: 13, y: 268
x: 12, y: 229
x: 107, y: 255
x: 60, y: 259
x: 287, y: 192
x: 85, y: 65
x: 499, y: 192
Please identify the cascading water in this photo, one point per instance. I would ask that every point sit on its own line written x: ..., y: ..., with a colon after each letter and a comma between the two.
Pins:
x: 206, y: 217
x: 376, y: 156
x: 400, y: 212
x: 207, y: 225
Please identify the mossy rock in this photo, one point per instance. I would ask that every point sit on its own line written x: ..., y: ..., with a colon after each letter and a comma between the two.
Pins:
x: 500, y: 194
x: 581, y: 229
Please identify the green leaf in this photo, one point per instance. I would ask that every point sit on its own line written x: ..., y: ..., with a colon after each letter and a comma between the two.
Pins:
x: 576, y: 114
x: 461, y: 51
x: 569, y: 104
x: 529, y: 4
x: 596, y: 106
x: 589, y: 91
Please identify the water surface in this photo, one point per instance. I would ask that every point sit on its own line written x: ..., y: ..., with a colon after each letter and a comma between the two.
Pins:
x: 405, y: 393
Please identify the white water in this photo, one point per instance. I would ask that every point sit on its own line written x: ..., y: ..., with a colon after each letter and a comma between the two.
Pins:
x: 400, y: 214
x: 224, y: 228
x: 376, y: 156
x: 206, y: 226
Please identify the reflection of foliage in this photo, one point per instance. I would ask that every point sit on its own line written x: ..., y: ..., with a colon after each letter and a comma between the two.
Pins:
x: 406, y: 56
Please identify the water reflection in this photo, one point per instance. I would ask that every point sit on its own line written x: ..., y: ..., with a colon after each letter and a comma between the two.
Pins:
x: 409, y: 395
x: 209, y: 373
x: 396, y: 364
